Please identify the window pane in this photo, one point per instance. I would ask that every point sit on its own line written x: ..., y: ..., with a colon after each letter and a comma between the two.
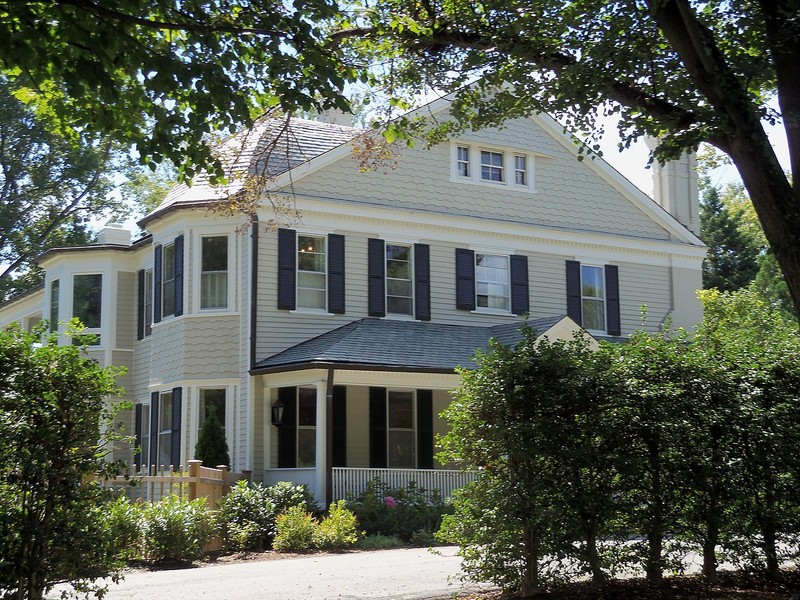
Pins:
x: 54, y: 290
x: 145, y: 448
x: 168, y: 262
x: 148, y: 301
x: 215, y: 253
x: 214, y: 290
x: 401, y: 412
x: 594, y: 314
x: 306, y: 447
x: 398, y: 287
x: 168, y: 281
x: 86, y: 299
x: 310, y: 299
x: 307, y: 407
x: 165, y: 412
x: 402, y: 451
x: 212, y: 400
x: 491, y: 281
x: 307, y: 261
x: 400, y: 306
x: 168, y: 298
x: 592, y: 281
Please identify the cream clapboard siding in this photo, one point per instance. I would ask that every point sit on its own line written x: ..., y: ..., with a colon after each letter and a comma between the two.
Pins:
x: 644, y: 285
x: 568, y: 194
x: 125, y: 309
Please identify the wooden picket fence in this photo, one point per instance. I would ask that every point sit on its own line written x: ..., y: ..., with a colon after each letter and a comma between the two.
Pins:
x: 196, y: 481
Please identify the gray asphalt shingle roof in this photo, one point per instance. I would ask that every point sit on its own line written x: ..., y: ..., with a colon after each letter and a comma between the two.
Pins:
x: 387, y: 344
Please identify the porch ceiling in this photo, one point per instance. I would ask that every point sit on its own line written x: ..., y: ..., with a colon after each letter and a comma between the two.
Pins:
x: 389, y: 345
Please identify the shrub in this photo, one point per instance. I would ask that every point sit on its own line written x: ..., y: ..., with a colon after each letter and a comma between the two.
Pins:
x: 122, y: 522
x: 295, y: 530
x: 176, y: 529
x: 285, y: 494
x: 248, y: 517
x: 379, y: 542
x: 212, y: 448
x: 339, y: 529
x: 399, y: 511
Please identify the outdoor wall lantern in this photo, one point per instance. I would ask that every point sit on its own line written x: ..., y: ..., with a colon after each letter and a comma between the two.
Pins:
x: 277, y: 413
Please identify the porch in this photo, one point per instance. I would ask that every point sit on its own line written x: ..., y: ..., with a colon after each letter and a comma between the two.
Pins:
x: 350, y: 482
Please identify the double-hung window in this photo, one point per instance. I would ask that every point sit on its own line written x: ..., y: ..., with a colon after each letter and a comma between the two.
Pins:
x: 593, y: 298
x: 306, y: 427
x: 399, y: 280
x: 87, y: 296
x: 311, y: 272
x: 520, y: 169
x: 54, y: 291
x: 214, y: 272
x: 168, y: 281
x: 148, y: 301
x: 462, y: 161
x: 144, y: 438
x: 401, y: 434
x: 492, y: 287
x: 165, y: 420
x: 492, y: 166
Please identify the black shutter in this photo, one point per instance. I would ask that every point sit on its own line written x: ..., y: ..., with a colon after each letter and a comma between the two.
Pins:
x: 377, y: 427
x: 157, y: 284
x: 612, y: 300
x: 153, y: 431
x: 287, y: 274
x: 519, y: 285
x: 465, y: 279
x: 339, y: 457
x: 175, y: 451
x: 336, y: 273
x: 287, y: 433
x: 376, y: 270
x: 179, y: 276
x: 422, y: 282
x: 140, y: 306
x: 574, y: 310
x: 137, y: 429
x: 424, y: 429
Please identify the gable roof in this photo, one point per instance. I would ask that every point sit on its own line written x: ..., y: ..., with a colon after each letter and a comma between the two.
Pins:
x: 393, y: 345
x: 270, y: 148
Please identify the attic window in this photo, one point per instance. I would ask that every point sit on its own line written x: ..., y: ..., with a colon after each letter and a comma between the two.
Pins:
x: 494, y: 166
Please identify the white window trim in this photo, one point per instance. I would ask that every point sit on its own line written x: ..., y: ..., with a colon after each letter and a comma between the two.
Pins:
x: 198, y: 272
x: 509, y: 172
x: 595, y: 265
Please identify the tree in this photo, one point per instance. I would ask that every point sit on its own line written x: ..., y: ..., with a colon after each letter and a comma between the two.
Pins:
x: 163, y: 76
x: 683, y: 71
x: 49, y: 189
x: 212, y: 448
x: 732, y: 261
x: 53, y: 411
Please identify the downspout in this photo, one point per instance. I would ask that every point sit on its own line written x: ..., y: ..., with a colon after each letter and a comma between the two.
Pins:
x: 329, y: 439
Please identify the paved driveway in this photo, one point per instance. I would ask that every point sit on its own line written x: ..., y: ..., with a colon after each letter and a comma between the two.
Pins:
x: 403, y: 574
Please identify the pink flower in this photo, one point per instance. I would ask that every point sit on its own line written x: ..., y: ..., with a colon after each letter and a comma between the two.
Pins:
x: 390, y: 502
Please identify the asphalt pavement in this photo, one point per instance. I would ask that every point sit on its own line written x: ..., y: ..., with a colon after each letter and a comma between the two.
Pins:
x: 403, y: 574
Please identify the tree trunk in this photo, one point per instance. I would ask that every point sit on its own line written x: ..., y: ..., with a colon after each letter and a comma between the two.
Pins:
x: 530, y: 577
x: 710, y: 554
x: 769, y: 531
x: 593, y: 556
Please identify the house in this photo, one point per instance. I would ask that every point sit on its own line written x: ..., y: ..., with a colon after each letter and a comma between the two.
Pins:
x: 328, y: 342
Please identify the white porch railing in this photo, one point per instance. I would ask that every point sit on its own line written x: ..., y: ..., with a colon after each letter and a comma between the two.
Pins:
x: 352, y: 481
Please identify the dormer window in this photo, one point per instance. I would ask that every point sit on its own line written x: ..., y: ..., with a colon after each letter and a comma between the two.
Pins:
x: 475, y: 164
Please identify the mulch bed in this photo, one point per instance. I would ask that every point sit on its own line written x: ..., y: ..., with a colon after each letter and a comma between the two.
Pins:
x: 731, y: 586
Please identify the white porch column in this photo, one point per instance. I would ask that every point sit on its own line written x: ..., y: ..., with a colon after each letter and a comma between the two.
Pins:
x: 321, y: 461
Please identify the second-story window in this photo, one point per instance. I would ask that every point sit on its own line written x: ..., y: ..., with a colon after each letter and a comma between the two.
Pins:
x: 520, y: 169
x: 311, y: 272
x: 462, y: 161
x: 87, y: 296
x: 214, y: 272
x: 168, y: 281
x: 54, y: 290
x: 492, y: 166
x: 148, y: 301
x: 399, y: 280
x: 492, y: 282
x: 593, y: 298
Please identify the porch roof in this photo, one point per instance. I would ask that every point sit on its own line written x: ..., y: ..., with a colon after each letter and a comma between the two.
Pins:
x: 393, y: 345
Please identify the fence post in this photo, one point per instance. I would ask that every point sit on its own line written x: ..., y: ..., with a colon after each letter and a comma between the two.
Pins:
x: 194, y: 477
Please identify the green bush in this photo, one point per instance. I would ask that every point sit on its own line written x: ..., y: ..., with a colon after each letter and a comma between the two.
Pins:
x: 122, y: 521
x: 379, y: 542
x: 403, y: 512
x: 338, y: 530
x: 212, y: 448
x: 176, y: 529
x: 249, y: 511
x: 247, y: 515
x: 285, y: 494
x: 295, y: 530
